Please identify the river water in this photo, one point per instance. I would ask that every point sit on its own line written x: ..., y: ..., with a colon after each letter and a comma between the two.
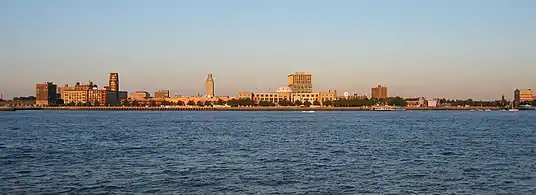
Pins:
x: 412, y: 152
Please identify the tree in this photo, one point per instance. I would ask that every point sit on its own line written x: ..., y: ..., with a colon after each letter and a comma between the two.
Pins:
x: 135, y: 103
x: 96, y: 103
x: 180, y: 103
x: 307, y: 103
x: 79, y: 104
x: 266, y: 103
x: 285, y: 102
x: 200, y: 103
x: 298, y: 103
x: 126, y: 103
x: 241, y: 102
x: 398, y: 101
x: 208, y: 103
x: 327, y: 103
x: 220, y: 102
x: 153, y: 104
x: 316, y: 103
x: 71, y: 103
x: 190, y: 103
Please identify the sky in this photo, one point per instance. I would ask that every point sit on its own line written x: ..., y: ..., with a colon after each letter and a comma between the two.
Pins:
x: 477, y: 49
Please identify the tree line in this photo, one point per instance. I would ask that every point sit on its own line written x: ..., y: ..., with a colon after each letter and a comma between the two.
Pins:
x: 398, y: 101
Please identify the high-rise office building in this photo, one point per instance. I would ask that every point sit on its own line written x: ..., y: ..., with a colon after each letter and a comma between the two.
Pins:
x: 45, y: 94
x: 114, y: 84
x: 379, y: 92
x: 523, y: 95
x: 300, y: 82
x: 209, y: 86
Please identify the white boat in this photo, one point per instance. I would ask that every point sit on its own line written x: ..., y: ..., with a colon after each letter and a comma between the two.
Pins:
x: 308, y: 111
x: 513, y: 109
x: 387, y: 108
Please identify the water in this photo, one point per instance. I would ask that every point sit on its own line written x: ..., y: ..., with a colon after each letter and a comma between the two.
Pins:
x: 413, y: 152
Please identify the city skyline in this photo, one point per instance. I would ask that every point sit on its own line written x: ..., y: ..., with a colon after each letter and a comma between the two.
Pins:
x: 454, y: 49
x: 203, y: 88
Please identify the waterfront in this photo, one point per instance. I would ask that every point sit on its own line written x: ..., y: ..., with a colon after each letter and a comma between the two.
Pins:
x: 254, y: 108
x: 442, y: 152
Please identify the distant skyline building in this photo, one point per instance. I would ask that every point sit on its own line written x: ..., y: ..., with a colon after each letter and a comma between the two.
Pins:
x: 209, y: 86
x: 113, y: 84
x: 523, y: 95
x: 161, y: 94
x: 300, y: 82
x: 138, y: 95
x: 45, y: 94
x: 379, y: 92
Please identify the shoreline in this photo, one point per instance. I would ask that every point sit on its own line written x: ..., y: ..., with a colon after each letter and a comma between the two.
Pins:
x: 185, y: 108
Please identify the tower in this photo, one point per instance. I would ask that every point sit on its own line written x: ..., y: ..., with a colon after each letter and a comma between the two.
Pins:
x: 209, y: 86
x: 114, y: 84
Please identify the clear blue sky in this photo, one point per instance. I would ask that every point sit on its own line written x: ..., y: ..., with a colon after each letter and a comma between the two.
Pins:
x: 444, y: 48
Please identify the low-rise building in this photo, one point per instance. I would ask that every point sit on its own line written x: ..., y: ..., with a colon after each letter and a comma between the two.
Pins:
x: 285, y: 93
x: 139, y: 95
x: 416, y: 102
x: 161, y: 94
x: 432, y: 102
x: 88, y: 93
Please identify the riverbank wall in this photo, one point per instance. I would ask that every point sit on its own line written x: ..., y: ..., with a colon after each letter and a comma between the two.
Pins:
x: 194, y: 108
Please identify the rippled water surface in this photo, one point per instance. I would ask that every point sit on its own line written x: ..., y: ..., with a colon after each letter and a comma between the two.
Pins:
x: 267, y: 152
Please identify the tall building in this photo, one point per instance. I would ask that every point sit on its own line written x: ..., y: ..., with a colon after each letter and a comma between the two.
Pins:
x: 45, y: 94
x: 523, y: 95
x: 300, y: 82
x: 161, y: 94
x: 209, y: 86
x: 379, y: 92
x: 114, y: 85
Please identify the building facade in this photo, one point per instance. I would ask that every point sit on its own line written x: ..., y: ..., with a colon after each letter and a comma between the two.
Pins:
x: 286, y: 94
x: 416, y: 102
x: 525, y: 95
x: 161, y: 94
x: 209, y: 86
x: 113, y: 85
x: 300, y: 82
x: 88, y: 94
x: 379, y: 92
x: 138, y: 95
x: 46, y: 94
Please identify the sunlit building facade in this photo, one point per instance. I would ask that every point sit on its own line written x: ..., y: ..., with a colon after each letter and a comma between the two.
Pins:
x: 379, y: 92
x: 300, y: 82
x: 46, y: 94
